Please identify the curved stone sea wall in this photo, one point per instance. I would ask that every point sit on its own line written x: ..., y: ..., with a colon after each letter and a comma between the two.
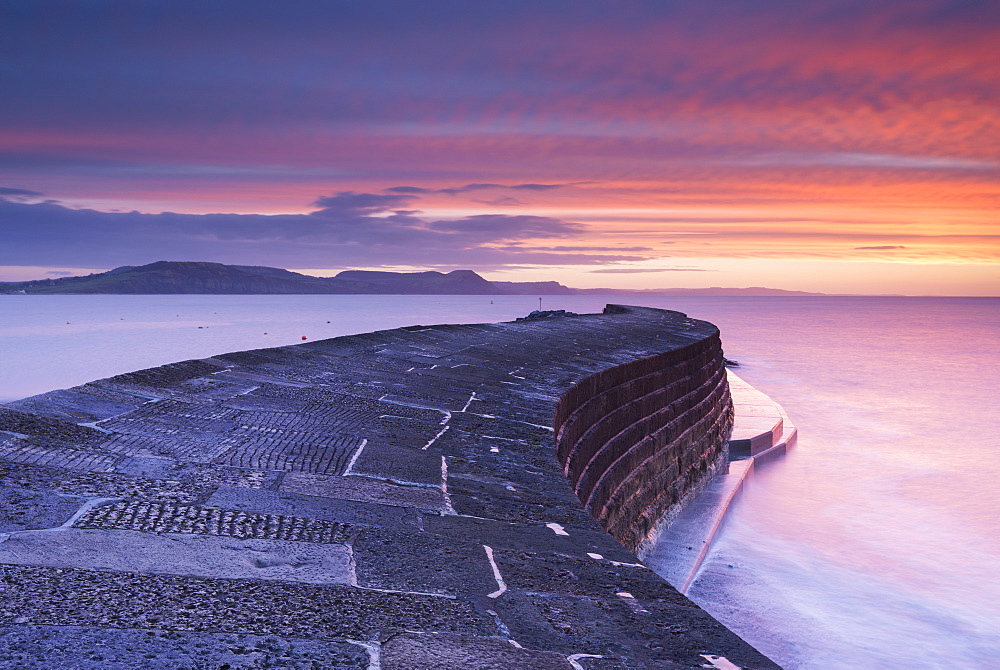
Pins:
x: 388, y: 500
x: 637, y: 439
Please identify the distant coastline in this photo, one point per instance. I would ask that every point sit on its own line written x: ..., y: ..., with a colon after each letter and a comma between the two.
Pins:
x: 195, y: 277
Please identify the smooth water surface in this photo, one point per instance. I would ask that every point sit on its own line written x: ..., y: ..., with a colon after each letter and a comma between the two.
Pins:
x: 873, y: 544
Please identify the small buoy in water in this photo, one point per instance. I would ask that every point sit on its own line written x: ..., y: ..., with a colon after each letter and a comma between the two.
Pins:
x: 303, y: 337
x: 265, y: 333
x: 121, y: 318
x: 67, y: 323
x: 328, y: 322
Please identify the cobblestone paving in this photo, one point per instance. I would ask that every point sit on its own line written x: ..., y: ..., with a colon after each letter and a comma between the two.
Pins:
x: 388, y: 500
x: 37, y: 452
x: 153, y: 517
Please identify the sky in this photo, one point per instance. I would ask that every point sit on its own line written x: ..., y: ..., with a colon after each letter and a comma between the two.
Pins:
x: 842, y: 146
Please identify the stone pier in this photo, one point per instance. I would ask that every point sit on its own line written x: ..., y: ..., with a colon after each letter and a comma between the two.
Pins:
x: 452, y: 496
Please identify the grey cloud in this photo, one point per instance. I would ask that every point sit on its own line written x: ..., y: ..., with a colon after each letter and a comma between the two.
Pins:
x: 18, y: 194
x: 638, y: 270
x: 468, y: 187
x: 588, y: 249
x: 417, y: 190
x: 501, y: 226
x: 538, y: 187
x: 506, y: 201
x: 414, y: 190
x: 358, y: 229
x: 349, y: 202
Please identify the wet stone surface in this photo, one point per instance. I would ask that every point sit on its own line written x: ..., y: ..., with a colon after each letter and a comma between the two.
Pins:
x: 406, y: 562
x: 411, y: 651
x: 80, y: 648
x: 22, y: 509
x: 120, y: 599
x: 389, y: 499
x: 365, y: 489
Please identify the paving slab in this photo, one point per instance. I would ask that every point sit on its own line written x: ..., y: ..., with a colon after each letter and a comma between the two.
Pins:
x: 414, y: 651
x: 180, y: 554
x: 22, y: 509
x: 526, y: 537
x: 394, y: 462
x: 423, y: 563
x: 82, y: 648
x: 70, y: 405
x: 147, y: 466
x: 314, y: 507
x: 365, y: 489
x: 33, y: 595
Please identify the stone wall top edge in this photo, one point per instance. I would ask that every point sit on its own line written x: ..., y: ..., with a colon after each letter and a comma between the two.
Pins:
x: 680, y: 331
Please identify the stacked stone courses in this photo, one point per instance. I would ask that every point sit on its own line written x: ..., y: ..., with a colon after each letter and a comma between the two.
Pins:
x: 453, y: 496
x: 635, y: 440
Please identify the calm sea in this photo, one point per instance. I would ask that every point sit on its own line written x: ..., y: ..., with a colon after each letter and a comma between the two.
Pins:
x: 873, y: 544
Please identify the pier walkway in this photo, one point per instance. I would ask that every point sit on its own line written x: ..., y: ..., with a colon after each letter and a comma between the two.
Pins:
x: 386, y: 501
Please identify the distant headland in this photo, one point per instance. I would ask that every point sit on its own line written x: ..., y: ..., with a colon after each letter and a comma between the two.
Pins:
x: 166, y: 277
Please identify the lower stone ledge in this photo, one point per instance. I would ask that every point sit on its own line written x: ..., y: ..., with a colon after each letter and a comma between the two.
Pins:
x: 683, y: 543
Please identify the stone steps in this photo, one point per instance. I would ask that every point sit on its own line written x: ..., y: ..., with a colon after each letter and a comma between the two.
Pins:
x: 761, y: 427
x: 762, y: 432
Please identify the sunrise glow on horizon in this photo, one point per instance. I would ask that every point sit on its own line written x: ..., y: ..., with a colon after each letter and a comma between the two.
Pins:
x: 832, y: 146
